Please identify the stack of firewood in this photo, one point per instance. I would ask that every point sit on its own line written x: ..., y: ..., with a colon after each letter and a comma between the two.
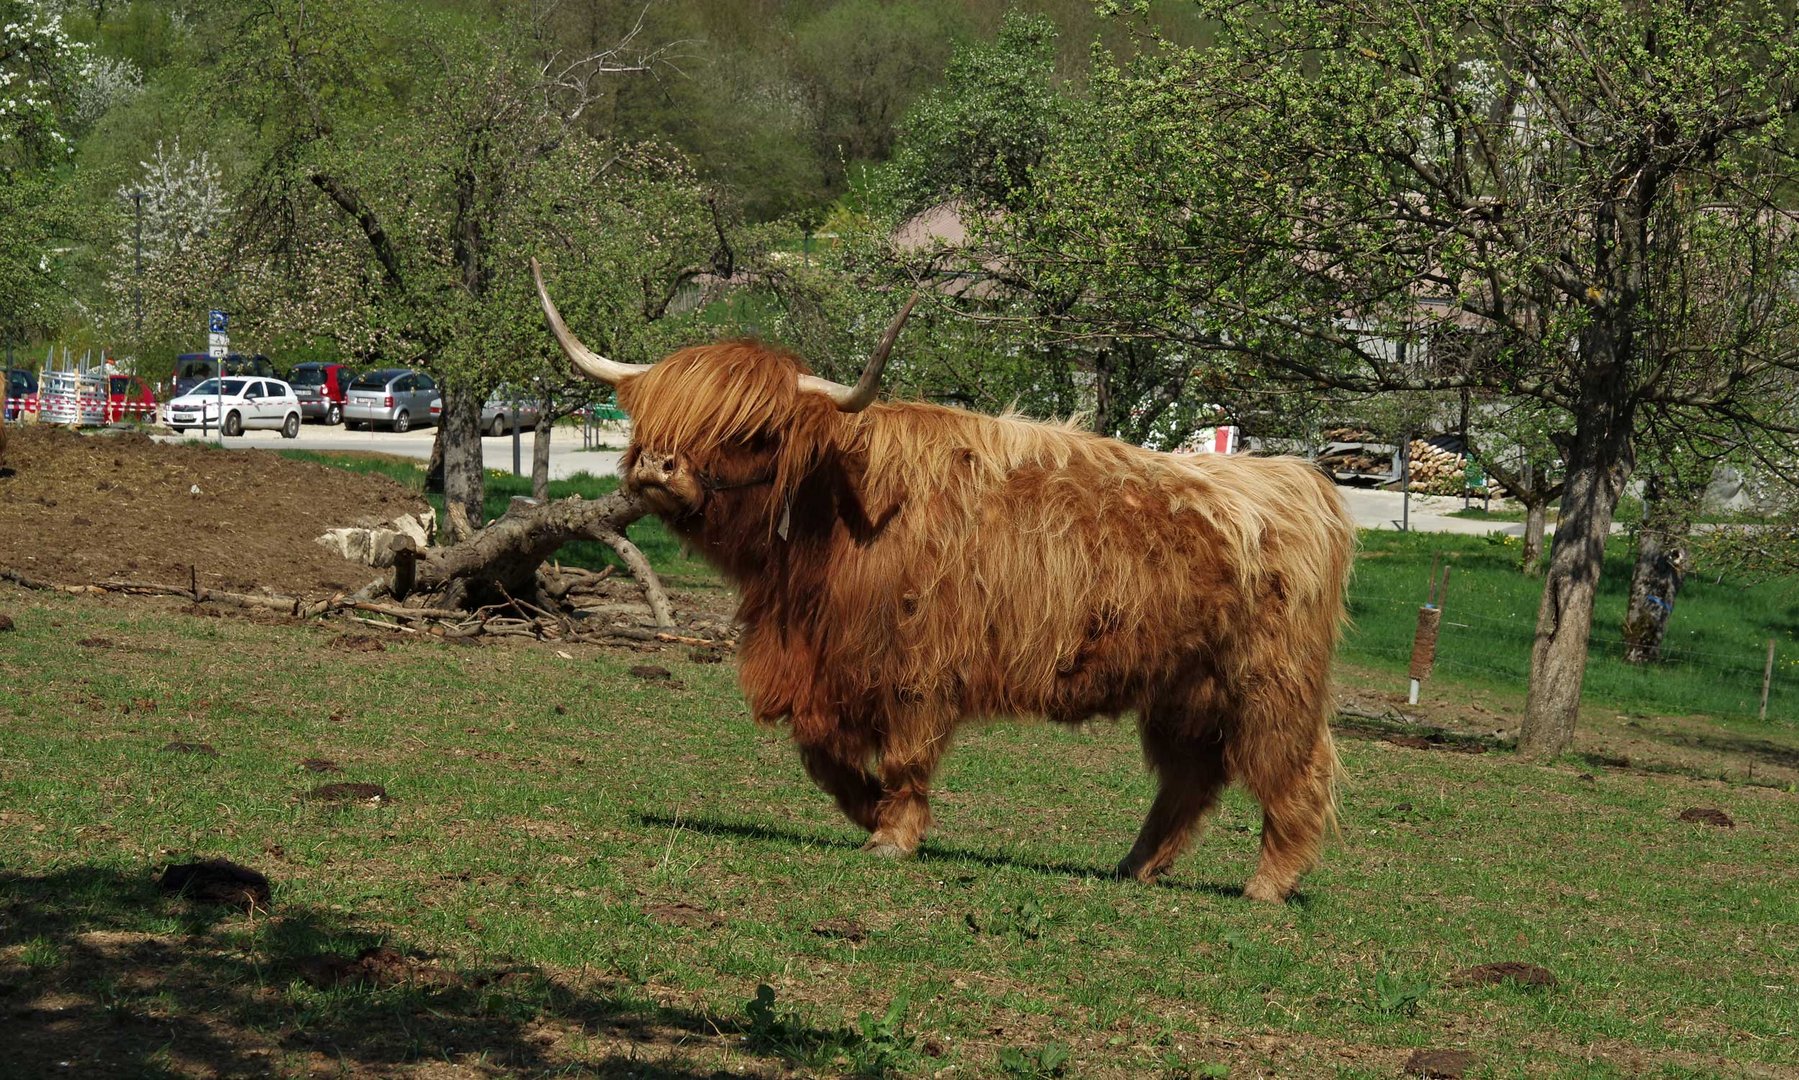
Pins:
x: 1438, y: 467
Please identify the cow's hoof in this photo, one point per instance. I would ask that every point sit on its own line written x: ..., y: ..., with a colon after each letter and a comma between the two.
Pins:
x: 1130, y: 870
x: 886, y: 849
x: 1263, y: 892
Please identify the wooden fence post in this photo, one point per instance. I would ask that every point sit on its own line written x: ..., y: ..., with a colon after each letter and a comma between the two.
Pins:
x: 1767, y: 678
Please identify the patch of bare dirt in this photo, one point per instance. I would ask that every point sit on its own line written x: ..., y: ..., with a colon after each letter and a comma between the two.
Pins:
x: 842, y: 930
x: 683, y: 914
x: 1708, y: 815
x: 198, y: 748
x: 1511, y: 971
x: 357, y: 643
x: 218, y: 881
x: 380, y: 966
x: 93, y: 507
x: 316, y: 764
x: 1440, y: 1064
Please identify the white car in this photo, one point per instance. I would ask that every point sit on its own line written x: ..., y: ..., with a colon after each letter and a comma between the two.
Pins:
x: 247, y: 402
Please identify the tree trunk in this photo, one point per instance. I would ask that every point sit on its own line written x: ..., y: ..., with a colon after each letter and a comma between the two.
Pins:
x: 540, y: 453
x: 1599, y: 463
x: 465, y: 481
x: 1661, y: 567
x: 1536, y: 518
x: 434, y: 469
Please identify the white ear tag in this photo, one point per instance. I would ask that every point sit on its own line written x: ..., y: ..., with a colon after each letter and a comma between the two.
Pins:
x: 786, y: 519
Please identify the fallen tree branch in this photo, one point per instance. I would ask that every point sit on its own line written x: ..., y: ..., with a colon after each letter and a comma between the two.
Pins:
x: 502, y: 560
x: 530, y: 620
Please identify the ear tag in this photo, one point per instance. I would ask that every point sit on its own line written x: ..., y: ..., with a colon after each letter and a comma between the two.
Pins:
x: 786, y: 520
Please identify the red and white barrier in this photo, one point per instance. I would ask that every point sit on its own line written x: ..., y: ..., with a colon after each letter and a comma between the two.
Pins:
x: 72, y: 409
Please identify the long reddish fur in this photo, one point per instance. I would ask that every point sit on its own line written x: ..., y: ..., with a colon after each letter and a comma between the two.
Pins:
x: 912, y: 566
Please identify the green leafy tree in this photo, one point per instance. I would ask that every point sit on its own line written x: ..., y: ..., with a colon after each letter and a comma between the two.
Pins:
x: 41, y: 72
x: 1320, y: 182
x: 422, y: 140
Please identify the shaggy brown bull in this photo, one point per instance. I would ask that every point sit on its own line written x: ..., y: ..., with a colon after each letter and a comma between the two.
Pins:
x: 904, y: 567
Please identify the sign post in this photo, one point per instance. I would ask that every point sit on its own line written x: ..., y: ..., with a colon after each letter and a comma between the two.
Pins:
x: 218, y: 346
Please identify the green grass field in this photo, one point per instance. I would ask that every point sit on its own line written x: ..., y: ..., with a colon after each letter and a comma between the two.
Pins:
x: 641, y: 859
x: 1715, y: 652
x: 595, y: 872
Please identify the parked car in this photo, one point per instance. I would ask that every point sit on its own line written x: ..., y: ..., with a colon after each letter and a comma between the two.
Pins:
x: 390, y: 397
x: 246, y: 403
x: 322, y: 389
x: 21, y: 393
x: 128, y: 397
x: 193, y: 368
x: 507, y: 407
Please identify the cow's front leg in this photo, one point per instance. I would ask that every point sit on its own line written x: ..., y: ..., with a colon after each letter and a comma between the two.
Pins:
x: 904, y: 812
x: 838, y: 768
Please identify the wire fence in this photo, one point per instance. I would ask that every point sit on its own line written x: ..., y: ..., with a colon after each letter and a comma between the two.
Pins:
x: 1476, y: 646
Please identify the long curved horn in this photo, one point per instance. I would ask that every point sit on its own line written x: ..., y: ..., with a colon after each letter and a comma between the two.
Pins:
x: 591, y: 363
x: 859, y: 397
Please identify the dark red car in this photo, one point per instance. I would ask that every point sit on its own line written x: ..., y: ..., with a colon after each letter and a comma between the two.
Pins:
x: 129, y: 397
x: 321, y: 388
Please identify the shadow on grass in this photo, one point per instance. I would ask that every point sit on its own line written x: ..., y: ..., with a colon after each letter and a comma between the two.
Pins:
x: 1724, y: 742
x: 929, y: 851
x: 102, y: 974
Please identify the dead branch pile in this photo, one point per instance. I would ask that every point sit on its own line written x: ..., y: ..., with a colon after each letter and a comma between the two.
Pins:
x: 583, y: 613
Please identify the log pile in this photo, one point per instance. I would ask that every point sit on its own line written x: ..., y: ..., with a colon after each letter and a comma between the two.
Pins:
x: 1354, y: 452
x: 1438, y: 467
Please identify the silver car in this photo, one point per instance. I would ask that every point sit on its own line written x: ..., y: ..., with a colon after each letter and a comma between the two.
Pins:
x: 507, y: 408
x: 390, y: 397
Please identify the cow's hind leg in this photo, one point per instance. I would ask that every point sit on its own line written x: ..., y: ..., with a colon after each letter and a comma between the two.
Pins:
x: 838, y: 766
x: 1296, y: 790
x: 905, y: 809
x: 1190, y: 769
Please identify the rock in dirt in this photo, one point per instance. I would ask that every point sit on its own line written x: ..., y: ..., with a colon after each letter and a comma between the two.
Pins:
x: 376, y: 545
x: 218, y: 881
x: 1504, y: 971
x: 652, y: 672
x: 380, y: 966
x: 373, y: 793
x: 1439, y: 1064
x: 200, y: 748
x: 319, y: 764
x: 1708, y: 815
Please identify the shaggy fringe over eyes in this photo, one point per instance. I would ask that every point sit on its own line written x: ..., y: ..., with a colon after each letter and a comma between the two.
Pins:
x: 711, y: 400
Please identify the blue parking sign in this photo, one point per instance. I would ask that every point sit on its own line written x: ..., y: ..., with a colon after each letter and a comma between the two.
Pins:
x: 215, y: 321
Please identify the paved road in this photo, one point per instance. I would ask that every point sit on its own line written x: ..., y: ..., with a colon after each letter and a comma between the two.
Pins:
x: 566, y: 455
x: 1371, y: 509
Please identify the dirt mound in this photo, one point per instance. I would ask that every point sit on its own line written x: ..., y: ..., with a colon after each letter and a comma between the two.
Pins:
x: 91, y: 507
x: 218, y: 881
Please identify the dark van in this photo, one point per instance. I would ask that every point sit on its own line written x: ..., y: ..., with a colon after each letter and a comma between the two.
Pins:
x: 192, y: 369
x: 321, y: 389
